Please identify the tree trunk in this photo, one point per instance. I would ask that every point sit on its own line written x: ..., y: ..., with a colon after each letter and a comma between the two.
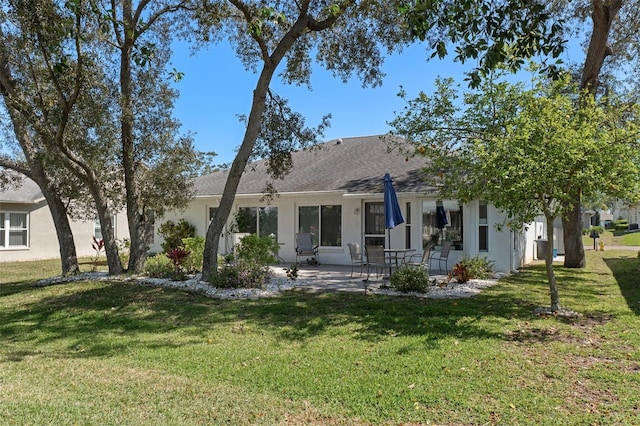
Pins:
x: 551, y: 277
x: 108, y: 237
x: 254, y: 124
x: 574, y: 256
x: 210, y: 257
x: 603, y: 15
x: 138, y: 251
x: 139, y: 219
x: 68, y: 255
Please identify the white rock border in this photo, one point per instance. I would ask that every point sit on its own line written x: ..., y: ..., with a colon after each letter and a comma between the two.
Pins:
x: 275, y: 287
x: 193, y: 284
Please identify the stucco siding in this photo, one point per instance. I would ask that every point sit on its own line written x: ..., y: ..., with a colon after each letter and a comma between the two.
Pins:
x: 43, y: 241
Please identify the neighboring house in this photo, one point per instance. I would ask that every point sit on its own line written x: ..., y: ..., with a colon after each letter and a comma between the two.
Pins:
x: 27, y: 231
x: 630, y: 212
x: 336, y: 193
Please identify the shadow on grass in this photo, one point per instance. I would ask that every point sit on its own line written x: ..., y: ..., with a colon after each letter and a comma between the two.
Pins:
x: 102, y: 318
x: 95, y: 319
x: 625, y: 270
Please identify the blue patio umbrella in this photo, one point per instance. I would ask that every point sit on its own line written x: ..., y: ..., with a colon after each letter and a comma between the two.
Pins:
x: 392, y: 212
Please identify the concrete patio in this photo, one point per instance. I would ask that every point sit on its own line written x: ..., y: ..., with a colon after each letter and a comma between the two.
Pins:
x: 337, y: 278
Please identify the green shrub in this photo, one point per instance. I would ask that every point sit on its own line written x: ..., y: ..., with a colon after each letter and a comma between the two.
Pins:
x: 195, y: 245
x: 251, y: 270
x: 411, y: 279
x: 173, y: 234
x: 588, y: 231
x: 124, y: 247
x: 241, y: 275
x: 158, y: 266
x: 621, y: 224
x: 259, y: 250
x: 476, y: 267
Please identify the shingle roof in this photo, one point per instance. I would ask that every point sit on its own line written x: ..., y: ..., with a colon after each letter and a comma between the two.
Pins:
x: 350, y: 165
x: 27, y: 191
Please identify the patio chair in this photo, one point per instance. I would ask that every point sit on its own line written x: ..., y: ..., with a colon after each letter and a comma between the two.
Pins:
x: 420, y: 260
x: 376, y: 259
x: 442, y: 255
x: 305, y: 247
x: 357, y: 258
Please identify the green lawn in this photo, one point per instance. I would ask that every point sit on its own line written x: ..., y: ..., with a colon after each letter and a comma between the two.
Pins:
x: 110, y: 353
x: 612, y: 238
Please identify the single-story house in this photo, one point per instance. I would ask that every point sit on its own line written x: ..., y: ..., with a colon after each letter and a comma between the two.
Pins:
x: 335, y: 192
x: 27, y: 231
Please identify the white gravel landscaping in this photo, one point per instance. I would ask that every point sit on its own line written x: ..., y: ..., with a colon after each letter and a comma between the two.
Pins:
x: 276, y: 286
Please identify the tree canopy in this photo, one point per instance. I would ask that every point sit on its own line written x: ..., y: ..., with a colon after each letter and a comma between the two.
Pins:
x: 527, y: 151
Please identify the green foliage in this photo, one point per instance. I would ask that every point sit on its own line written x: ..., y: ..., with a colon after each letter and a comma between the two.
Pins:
x: 525, y: 150
x: 620, y: 224
x: 158, y: 266
x: 410, y: 279
x: 259, y: 250
x: 124, y: 247
x: 493, y: 33
x: 195, y: 245
x: 173, y: 234
x: 588, y: 231
x: 251, y: 269
x: 242, y: 275
x: 478, y: 267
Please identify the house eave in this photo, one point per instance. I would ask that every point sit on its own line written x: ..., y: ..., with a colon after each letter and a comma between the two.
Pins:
x: 262, y: 194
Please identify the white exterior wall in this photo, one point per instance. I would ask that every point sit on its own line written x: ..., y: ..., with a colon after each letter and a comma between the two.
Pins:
x: 43, y: 241
x: 508, y: 250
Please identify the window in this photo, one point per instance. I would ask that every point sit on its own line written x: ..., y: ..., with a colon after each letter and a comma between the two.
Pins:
x: 324, y: 223
x: 3, y: 230
x: 452, y: 231
x: 262, y: 221
x: 374, y: 231
x: 14, y: 229
x: 407, y: 228
x: 483, y: 227
x: 97, y: 229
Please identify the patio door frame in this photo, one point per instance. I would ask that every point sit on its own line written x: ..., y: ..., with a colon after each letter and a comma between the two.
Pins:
x: 374, y: 233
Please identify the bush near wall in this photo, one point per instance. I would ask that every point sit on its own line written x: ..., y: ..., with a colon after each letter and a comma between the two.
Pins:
x: 174, y: 233
x: 621, y: 224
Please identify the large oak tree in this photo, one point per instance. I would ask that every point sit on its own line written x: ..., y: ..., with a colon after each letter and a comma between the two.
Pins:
x: 346, y: 37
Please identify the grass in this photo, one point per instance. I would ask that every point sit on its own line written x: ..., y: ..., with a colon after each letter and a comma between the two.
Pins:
x: 111, y: 353
x: 614, y: 238
x: 632, y: 239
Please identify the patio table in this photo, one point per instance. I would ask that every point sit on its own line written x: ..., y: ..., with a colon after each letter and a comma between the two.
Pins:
x: 394, y: 254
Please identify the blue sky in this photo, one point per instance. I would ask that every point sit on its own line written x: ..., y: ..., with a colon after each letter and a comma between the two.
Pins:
x: 216, y: 89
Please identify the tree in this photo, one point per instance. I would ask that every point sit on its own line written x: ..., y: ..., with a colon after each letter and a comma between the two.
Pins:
x: 603, y: 16
x: 525, y: 151
x: 496, y: 33
x: 347, y: 38
x: 56, y: 90
x: 71, y: 75
x: 26, y: 124
x: 157, y: 164
x: 507, y: 32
